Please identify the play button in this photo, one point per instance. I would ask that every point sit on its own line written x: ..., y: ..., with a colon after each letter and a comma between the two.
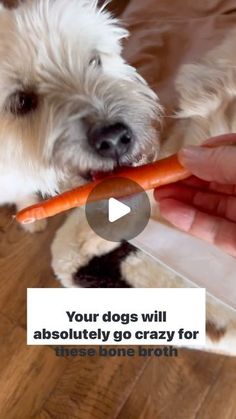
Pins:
x: 117, y: 210
x: 122, y: 216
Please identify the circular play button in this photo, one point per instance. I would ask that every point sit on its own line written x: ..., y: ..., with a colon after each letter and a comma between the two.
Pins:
x: 119, y: 217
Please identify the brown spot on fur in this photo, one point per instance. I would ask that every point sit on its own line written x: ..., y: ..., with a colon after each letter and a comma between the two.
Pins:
x: 213, y: 332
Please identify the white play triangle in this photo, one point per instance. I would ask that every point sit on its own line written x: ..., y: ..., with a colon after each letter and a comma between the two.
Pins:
x: 117, y: 210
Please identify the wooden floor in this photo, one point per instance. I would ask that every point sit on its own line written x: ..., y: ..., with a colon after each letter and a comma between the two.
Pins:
x: 34, y: 383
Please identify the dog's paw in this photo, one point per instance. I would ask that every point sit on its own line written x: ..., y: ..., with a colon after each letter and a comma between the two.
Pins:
x: 35, y: 227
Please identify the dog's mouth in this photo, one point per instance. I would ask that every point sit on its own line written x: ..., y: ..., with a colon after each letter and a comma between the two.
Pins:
x: 96, y: 175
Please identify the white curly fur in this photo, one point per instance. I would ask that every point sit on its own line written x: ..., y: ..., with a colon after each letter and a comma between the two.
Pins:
x: 68, y: 54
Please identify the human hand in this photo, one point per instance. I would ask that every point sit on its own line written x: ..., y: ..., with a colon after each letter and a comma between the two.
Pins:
x: 205, y: 204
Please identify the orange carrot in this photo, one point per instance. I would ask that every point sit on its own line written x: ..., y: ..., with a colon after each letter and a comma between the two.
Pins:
x: 149, y: 176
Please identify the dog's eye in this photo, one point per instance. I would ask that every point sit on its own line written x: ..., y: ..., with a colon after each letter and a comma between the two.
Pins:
x: 95, y: 61
x: 21, y: 103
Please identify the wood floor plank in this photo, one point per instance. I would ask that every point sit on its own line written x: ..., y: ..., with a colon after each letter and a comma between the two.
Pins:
x: 24, y: 262
x: 27, y: 374
x: 93, y: 388
x: 220, y: 401
x: 172, y: 387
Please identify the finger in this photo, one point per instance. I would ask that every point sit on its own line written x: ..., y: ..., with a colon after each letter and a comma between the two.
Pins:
x: 213, y: 203
x: 225, y: 139
x: 195, y: 182
x: 213, y: 186
x: 177, y: 191
x: 223, y: 206
x: 212, y: 229
x: 211, y: 164
x: 225, y: 189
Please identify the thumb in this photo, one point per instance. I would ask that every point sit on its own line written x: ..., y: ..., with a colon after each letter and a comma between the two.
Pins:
x: 216, y: 164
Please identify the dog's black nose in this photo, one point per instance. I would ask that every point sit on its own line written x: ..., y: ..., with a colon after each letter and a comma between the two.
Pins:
x: 111, y: 141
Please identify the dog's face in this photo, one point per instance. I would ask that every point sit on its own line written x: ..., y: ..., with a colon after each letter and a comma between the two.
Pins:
x: 69, y: 104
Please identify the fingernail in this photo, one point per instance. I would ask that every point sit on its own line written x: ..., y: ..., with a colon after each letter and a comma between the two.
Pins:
x: 191, y: 154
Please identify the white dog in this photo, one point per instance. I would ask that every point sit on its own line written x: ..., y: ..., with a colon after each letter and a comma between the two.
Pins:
x: 69, y: 103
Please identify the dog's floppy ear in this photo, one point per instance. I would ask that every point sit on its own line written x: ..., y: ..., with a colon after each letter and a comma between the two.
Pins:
x: 200, y: 88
